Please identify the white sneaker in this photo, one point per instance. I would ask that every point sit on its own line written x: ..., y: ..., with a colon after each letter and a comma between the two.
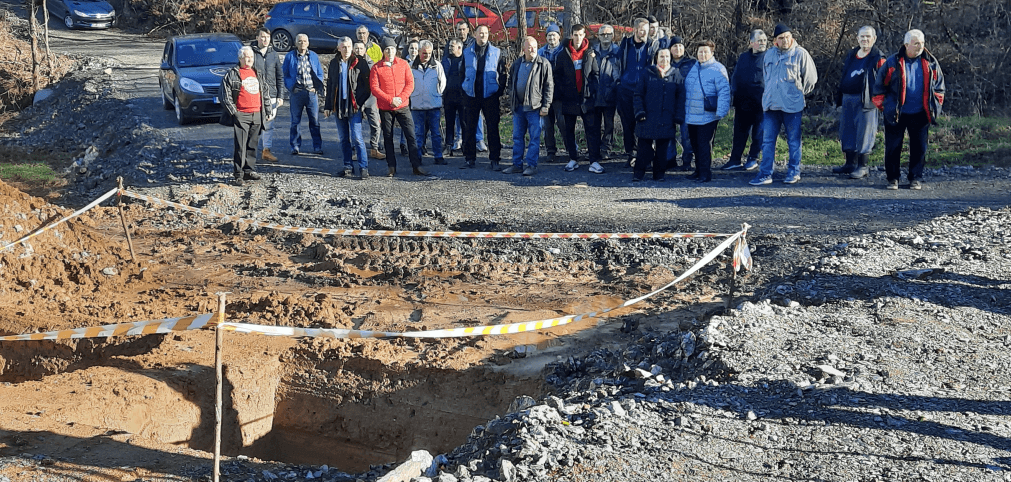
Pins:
x: 571, y: 166
x: 482, y: 147
x: 458, y: 145
x: 596, y: 168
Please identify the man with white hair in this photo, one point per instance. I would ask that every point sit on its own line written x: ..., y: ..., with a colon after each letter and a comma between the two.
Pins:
x: 347, y: 89
x: 858, y: 119
x: 303, y: 76
x: 746, y: 89
x: 910, y: 91
x: 607, y: 87
x: 244, y: 98
x: 426, y: 100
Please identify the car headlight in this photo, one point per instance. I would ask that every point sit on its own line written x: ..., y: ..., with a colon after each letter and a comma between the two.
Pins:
x: 80, y: 13
x: 190, y: 85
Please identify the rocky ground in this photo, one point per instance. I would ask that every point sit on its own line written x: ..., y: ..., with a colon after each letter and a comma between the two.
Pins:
x: 865, y: 344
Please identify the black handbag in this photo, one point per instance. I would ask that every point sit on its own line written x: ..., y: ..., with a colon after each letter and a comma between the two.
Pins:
x: 709, y: 102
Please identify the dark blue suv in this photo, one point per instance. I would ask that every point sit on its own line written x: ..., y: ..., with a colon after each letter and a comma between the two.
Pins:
x: 323, y: 21
x: 191, y: 70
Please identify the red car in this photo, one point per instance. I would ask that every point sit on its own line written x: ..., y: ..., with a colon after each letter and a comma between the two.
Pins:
x: 538, y: 19
x: 474, y: 12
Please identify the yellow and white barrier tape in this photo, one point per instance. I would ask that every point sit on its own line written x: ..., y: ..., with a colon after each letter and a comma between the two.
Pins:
x: 121, y: 329
x: 474, y: 330
x: 420, y: 234
x: 57, y: 223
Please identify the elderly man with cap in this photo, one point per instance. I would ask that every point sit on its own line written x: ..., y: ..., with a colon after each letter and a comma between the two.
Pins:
x: 746, y: 88
x: 392, y: 84
x: 789, y: 74
x: 549, y: 52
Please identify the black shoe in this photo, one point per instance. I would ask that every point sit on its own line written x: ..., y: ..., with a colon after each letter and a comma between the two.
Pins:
x: 391, y: 171
x: 844, y: 169
x: 441, y: 161
x: 636, y: 179
x: 495, y: 166
x: 694, y: 176
x: 684, y: 167
x: 421, y: 172
x: 731, y: 165
x: 364, y: 174
x: 251, y: 176
x: 469, y: 165
x: 702, y: 179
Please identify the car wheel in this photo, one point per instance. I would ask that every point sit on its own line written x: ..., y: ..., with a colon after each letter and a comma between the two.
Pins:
x: 281, y: 40
x: 180, y: 117
x: 166, y: 102
x: 69, y: 22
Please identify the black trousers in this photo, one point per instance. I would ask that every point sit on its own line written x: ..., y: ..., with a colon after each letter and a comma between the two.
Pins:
x: 472, y: 110
x: 246, y: 131
x: 702, y: 138
x: 548, y: 123
x: 625, y: 109
x: 403, y: 117
x: 591, y: 125
x: 451, y: 110
x: 607, y: 127
x: 747, y: 121
x: 917, y: 125
x: 647, y: 156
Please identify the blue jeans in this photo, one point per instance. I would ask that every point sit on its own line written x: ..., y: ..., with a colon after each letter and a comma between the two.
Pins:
x: 773, y: 121
x: 303, y: 99
x: 426, y: 121
x: 526, y: 122
x: 349, y: 133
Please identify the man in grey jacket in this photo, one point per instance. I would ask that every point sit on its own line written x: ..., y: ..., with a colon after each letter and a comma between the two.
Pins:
x: 789, y: 74
x: 426, y: 100
x: 531, y: 88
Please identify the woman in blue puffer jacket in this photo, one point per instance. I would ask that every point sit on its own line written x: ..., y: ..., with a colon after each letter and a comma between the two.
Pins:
x: 708, y: 78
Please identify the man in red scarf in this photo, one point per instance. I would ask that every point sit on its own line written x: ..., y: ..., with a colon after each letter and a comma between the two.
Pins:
x: 577, y: 71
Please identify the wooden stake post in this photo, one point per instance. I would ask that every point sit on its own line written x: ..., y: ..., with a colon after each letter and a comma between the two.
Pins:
x: 122, y: 218
x: 219, y: 336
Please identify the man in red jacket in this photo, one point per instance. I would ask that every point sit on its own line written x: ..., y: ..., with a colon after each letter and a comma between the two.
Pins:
x: 392, y: 83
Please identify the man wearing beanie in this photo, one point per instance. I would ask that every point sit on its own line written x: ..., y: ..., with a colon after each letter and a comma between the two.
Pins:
x: 789, y: 75
x: 550, y: 52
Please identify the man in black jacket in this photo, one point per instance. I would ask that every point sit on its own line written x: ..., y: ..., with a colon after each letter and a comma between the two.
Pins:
x: 347, y: 89
x: 746, y: 87
x: 452, y: 97
x: 268, y: 63
x: 576, y: 79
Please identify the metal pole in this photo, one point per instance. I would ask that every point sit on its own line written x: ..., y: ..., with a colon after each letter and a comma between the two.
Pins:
x: 219, y: 336
x: 122, y: 218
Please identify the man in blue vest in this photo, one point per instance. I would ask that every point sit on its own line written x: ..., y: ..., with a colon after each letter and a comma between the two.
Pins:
x: 486, y: 72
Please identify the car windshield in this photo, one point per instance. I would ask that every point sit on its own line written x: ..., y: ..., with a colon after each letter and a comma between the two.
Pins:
x: 355, y: 11
x: 207, y: 53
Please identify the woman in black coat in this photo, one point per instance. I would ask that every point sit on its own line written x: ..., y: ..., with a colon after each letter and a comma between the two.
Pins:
x: 659, y: 104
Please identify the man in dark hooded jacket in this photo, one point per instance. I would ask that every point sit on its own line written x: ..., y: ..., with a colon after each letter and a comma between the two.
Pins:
x: 576, y: 80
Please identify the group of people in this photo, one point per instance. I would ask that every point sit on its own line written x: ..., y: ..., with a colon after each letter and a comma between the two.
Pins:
x: 664, y: 99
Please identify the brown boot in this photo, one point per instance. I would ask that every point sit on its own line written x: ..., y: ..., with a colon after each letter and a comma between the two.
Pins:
x: 375, y: 154
x: 268, y: 156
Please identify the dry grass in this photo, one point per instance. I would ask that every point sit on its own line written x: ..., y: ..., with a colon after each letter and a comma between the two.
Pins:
x: 16, y: 89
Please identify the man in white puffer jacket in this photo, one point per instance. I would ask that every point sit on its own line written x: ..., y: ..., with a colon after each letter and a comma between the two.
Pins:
x: 426, y: 100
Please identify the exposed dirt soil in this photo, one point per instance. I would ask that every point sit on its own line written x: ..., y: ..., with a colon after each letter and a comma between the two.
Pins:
x: 349, y: 403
